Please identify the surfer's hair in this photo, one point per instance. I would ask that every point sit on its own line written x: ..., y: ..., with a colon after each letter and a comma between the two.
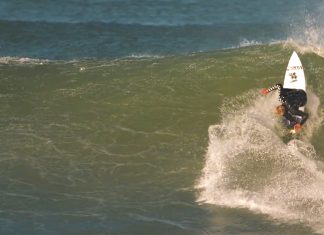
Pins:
x: 280, y: 110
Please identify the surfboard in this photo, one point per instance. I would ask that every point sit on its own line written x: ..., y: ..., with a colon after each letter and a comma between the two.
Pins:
x: 295, y: 77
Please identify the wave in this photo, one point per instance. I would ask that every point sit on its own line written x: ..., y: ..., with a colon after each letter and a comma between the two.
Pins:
x: 304, y: 37
x: 304, y: 46
x: 247, y: 43
x: 99, y: 31
x: 22, y: 60
x: 100, y: 40
x: 61, y: 41
x: 307, y: 36
x: 144, y: 56
x: 251, y: 163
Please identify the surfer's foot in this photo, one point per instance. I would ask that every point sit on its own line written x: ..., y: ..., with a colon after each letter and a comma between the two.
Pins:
x: 297, y: 128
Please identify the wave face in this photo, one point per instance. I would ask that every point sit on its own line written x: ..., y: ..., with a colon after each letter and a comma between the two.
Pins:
x: 69, y: 41
x: 117, y: 146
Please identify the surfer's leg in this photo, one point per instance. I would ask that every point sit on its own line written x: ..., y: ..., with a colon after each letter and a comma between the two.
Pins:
x: 300, y: 115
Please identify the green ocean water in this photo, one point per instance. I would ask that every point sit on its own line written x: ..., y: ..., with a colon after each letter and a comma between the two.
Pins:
x: 126, y: 146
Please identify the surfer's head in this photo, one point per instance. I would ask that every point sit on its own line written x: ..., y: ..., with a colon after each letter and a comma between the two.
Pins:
x: 280, y: 110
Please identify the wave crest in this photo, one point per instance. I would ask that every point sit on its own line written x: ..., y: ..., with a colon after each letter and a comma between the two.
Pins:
x: 21, y: 60
x: 307, y: 37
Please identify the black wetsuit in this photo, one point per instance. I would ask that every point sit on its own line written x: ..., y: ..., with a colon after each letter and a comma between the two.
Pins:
x: 292, y: 99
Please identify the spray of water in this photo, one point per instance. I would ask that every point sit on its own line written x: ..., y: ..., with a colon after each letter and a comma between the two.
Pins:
x: 307, y: 36
x: 251, y: 163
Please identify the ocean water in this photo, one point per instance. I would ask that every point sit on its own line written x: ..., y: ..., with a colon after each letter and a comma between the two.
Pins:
x: 145, y: 117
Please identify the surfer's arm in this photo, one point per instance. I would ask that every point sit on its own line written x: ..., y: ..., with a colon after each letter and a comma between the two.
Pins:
x: 282, y: 96
x: 278, y: 87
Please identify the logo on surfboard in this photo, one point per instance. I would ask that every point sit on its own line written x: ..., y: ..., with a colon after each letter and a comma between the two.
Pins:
x: 294, y: 68
x: 293, y: 77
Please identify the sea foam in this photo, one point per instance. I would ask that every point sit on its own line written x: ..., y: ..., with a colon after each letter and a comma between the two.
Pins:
x: 251, y: 163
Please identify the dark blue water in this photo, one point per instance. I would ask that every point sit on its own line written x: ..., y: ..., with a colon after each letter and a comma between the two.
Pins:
x: 110, y: 29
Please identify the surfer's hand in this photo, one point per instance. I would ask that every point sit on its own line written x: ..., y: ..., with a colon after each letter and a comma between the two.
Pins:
x: 297, y: 128
x: 264, y: 91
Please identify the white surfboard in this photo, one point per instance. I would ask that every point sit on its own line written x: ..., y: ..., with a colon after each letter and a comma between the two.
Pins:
x: 295, y: 77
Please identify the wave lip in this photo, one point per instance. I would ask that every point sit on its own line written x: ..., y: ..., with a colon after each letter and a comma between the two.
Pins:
x: 307, y: 36
x: 248, y: 165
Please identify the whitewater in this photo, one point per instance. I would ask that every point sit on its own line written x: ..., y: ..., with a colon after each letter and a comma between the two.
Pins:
x: 249, y: 165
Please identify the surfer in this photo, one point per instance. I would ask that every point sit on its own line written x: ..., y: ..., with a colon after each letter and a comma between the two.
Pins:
x: 291, y: 100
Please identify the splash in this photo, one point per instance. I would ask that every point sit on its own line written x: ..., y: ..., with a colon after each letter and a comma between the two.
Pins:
x: 249, y: 165
x: 247, y: 43
x: 307, y: 37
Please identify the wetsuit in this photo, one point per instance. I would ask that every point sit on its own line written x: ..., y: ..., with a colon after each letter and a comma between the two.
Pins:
x: 292, y: 99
